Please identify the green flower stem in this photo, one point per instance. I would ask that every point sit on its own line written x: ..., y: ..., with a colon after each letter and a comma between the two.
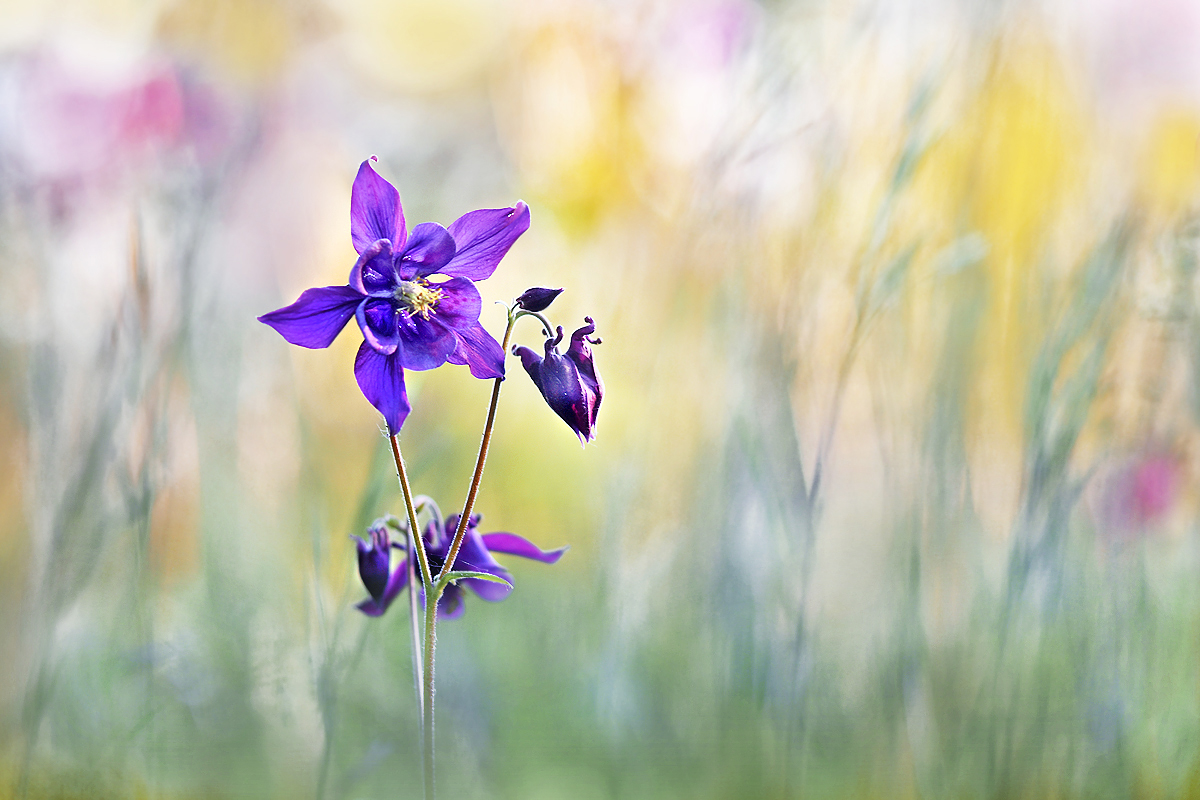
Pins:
x: 402, y: 476
x: 432, y: 597
x: 433, y: 591
x: 469, y: 505
x: 546, y: 326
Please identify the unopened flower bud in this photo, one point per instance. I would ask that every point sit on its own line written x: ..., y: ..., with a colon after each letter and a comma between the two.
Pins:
x: 537, y: 298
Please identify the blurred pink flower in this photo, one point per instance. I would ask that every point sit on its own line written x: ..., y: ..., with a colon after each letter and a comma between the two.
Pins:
x: 72, y: 125
x: 1146, y: 47
x: 1136, y: 494
x: 708, y: 35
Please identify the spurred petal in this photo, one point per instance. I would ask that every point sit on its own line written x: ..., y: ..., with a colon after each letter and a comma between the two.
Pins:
x: 460, y: 304
x: 531, y: 361
x: 377, y: 318
x: 480, y: 352
x: 317, y: 317
x: 424, y: 343
x: 374, y: 272
x: 581, y: 355
x: 375, y: 211
x: 396, y: 583
x: 429, y: 247
x: 373, y: 559
x: 371, y: 608
x: 483, y: 237
x: 381, y: 379
x: 520, y: 546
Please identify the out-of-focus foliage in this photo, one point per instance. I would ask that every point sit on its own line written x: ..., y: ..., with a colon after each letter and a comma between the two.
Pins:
x: 894, y: 489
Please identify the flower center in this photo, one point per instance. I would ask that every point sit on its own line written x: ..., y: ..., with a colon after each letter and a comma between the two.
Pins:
x: 417, y: 297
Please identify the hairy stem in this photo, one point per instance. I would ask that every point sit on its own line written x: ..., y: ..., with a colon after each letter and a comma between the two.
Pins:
x: 431, y: 603
x: 402, y: 476
x: 433, y: 591
x: 422, y: 677
x: 477, y: 478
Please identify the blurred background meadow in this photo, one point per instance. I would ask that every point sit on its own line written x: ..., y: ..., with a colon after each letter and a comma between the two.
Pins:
x: 895, y: 486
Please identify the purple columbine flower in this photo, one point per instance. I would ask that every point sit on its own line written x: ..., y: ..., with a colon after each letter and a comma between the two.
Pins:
x: 409, y: 319
x: 570, y: 383
x: 475, y: 556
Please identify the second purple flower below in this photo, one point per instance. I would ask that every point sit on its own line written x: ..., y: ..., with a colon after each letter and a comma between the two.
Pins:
x: 475, y: 556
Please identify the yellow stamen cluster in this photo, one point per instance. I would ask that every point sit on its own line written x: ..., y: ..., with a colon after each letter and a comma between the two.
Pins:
x: 418, y: 297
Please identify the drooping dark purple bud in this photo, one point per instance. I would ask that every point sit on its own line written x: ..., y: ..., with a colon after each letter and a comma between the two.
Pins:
x: 374, y: 559
x: 537, y: 298
x: 569, y: 383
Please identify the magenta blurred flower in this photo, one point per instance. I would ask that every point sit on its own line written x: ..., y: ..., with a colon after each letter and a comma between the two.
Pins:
x: 1136, y: 494
x: 475, y: 556
x: 76, y: 124
x: 570, y: 384
x: 408, y: 319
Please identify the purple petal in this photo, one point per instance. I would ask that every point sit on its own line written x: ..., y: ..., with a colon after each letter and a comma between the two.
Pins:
x: 429, y: 247
x: 581, y: 354
x: 460, y: 304
x: 490, y: 590
x: 437, y: 544
x: 377, y: 318
x: 424, y: 343
x: 375, y: 211
x: 371, y: 608
x: 374, y: 272
x: 480, y: 352
x: 483, y: 237
x: 559, y: 381
x: 396, y: 583
x: 317, y: 317
x: 519, y: 546
x: 381, y: 379
x: 474, y: 556
x: 373, y: 560
x: 530, y: 360
x: 451, y: 527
